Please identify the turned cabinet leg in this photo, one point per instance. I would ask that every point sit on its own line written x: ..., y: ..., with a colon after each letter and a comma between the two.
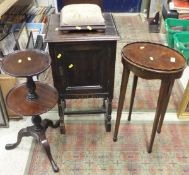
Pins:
x: 104, y: 103
x: 61, y: 107
x: 108, y: 115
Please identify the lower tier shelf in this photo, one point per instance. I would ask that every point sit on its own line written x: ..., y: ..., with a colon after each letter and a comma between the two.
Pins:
x: 18, y: 102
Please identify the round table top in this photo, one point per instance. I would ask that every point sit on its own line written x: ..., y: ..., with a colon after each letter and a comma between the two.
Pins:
x: 153, y: 56
x: 17, y: 99
x: 26, y: 63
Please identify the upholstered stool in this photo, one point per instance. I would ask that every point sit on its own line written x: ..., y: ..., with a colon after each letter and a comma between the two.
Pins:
x: 150, y: 61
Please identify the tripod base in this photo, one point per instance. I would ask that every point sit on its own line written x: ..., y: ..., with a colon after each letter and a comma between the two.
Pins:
x: 38, y: 132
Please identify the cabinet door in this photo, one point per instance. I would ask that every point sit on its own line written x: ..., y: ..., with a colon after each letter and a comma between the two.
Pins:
x: 85, y: 67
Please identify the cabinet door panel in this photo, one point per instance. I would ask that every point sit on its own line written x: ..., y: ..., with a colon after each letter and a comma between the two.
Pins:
x: 84, y: 67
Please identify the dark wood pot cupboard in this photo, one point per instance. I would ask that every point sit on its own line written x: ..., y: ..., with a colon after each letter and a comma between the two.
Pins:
x: 83, y: 65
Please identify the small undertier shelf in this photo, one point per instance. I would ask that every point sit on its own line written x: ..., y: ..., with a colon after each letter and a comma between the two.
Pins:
x: 18, y: 102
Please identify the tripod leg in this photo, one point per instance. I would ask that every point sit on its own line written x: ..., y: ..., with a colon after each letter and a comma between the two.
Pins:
x: 46, y: 123
x: 46, y: 146
x: 23, y: 132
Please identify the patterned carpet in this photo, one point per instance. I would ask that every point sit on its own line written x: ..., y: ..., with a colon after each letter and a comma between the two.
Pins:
x: 87, y: 149
x: 131, y: 28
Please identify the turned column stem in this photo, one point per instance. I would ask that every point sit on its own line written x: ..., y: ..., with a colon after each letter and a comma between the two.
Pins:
x: 30, y: 84
x: 36, y: 120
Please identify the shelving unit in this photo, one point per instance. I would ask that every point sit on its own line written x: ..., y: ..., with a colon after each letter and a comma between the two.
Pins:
x: 5, y: 5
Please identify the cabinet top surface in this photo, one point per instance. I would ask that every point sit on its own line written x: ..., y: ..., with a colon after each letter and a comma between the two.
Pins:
x: 54, y: 35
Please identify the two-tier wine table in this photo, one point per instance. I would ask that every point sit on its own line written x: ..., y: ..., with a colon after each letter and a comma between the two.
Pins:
x: 33, y: 97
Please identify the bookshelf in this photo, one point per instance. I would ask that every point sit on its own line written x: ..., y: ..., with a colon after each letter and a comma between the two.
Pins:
x: 182, y: 7
x: 5, y: 5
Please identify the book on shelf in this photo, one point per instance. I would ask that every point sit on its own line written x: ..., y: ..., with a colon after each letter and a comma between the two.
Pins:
x: 181, y: 6
x: 28, y: 13
x: 39, y: 14
x: 183, y: 16
x: 35, y: 16
x: 5, y: 5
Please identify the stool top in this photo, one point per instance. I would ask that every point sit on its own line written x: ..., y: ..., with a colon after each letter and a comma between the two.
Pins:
x: 26, y: 63
x: 153, y: 56
x: 47, y: 98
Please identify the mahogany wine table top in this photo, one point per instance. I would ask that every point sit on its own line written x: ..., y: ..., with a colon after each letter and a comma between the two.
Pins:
x: 26, y: 63
x: 153, y: 56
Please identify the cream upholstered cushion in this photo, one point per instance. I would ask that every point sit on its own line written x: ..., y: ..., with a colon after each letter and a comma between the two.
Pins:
x: 81, y: 14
